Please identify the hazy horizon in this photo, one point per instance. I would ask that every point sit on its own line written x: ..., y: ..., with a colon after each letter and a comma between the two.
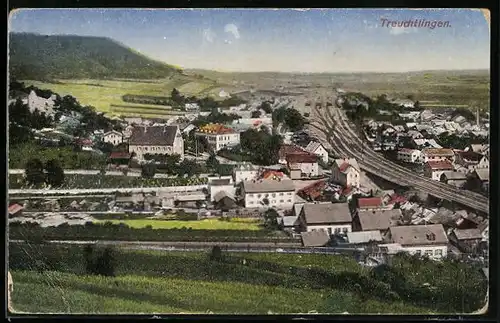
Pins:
x: 280, y: 41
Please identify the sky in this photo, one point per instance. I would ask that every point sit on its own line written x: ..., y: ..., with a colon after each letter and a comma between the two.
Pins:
x: 285, y: 40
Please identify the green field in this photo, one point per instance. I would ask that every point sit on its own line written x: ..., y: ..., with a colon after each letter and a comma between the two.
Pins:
x: 103, y: 93
x: 208, y: 224
x: 178, y: 282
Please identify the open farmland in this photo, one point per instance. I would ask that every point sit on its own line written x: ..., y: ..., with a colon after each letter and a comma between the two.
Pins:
x: 175, y: 282
x: 103, y: 93
x: 208, y: 224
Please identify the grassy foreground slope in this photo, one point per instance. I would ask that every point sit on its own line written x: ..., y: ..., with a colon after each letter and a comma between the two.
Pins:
x: 175, y: 282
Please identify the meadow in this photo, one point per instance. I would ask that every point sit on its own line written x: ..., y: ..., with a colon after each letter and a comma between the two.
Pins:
x: 207, y: 224
x: 104, y: 94
x: 178, y: 282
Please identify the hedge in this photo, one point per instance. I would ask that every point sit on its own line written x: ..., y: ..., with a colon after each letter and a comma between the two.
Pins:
x: 122, y: 232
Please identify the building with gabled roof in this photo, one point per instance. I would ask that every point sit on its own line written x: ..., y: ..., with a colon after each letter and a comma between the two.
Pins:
x: 219, y: 136
x: 155, y: 140
x: 317, y: 148
x: 346, y: 172
x: 437, y: 154
x: 434, y: 169
x: 331, y: 217
x: 268, y: 193
x: 113, y: 137
x: 429, y: 240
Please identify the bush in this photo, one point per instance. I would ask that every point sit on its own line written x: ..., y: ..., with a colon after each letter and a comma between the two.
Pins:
x: 216, y: 254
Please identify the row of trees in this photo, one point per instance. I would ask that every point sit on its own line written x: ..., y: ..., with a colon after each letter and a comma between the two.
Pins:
x: 36, y: 173
x: 261, y: 146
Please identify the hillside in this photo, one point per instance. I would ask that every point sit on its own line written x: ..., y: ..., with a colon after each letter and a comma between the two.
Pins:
x: 39, y: 57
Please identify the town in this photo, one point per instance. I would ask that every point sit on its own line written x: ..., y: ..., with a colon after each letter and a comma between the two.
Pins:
x: 337, y: 191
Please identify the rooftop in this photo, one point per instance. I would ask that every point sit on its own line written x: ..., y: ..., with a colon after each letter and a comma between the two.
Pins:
x: 290, y: 149
x: 153, y: 135
x: 301, y: 158
x: 415, y: 235
x: 317, y: 213
x: 268, y: 185
x: 467, y: 234
x: 216, y: 128
x: 483, y: 174
x: 343, y: 164
x: 438, y: 152
x: 315, y: 238
x: 440, y: 165
x: 368, y: 202
x: 379, y: 220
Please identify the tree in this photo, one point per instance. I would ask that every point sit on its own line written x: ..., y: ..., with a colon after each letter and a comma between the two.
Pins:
x: 34, y: 172
x: 176, y: 96
x: 105, y: 263
x: 256, y: 114
x: 212, y: 162
x: 266, y: 107
x: 55, y: 173
x: 294, y: 120
x: 188, y: 168
x: 148, y: 170
x: 216, y: 254
x: 271, y: 219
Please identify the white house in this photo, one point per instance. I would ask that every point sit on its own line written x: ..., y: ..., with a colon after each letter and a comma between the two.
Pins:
x: 245, y: 172
x: 317, y: 148
x: 219, y: 136
x: 437, y: 154
x: 191, y: 106
x: 221, y: 185
x: 334, y: 218
x: 429, y: 240
x: 409, y: 155
x: 268, y: 193
x: 434, y: 169
x: 306, y: 163
x: 156, y: 140
x: 41, y: 104
x: 346, y: 172
x: 113, y: 137
x: 471, y: 160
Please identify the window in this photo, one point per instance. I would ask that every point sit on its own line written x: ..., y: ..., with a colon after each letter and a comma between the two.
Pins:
x: 330, y: 231
x: 438, y: 252
x: 418, y: 252
x: 428, y: 252
x: 344, y: 230
x: 289, y: 200
x: 259, y: 195
x: 337, y: 230
x: 273, y: 195
x: 281, y: 201
x: 281, y: 194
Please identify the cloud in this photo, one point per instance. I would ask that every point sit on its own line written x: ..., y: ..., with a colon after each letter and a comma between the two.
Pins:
x: 233, y: 29
x: 209, y: 35
x: 402, y: 30
x: 226, y: 41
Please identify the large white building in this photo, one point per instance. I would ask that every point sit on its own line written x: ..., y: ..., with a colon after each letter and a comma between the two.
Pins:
x: 346, y: 172
x: 434, y: 169
x: 428, y: 240
x: 113, y: 137
x: 471, y: 160
x: 219, y: 136
x: 437, y: 154
x: 333, y: 218
x: 41, y: 104
x: 409, y: 155
x: 156, y: 140
x: 268, y: 193
x: 245, y: 172
x: 307, y: 164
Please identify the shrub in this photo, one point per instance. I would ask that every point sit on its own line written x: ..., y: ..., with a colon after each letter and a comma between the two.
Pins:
x: 216, y: 254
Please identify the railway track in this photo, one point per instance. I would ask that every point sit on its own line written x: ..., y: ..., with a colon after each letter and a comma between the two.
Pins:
x: 345, y: 142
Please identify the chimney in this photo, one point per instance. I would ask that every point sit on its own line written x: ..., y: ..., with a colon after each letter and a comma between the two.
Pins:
x: 145, y: 128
